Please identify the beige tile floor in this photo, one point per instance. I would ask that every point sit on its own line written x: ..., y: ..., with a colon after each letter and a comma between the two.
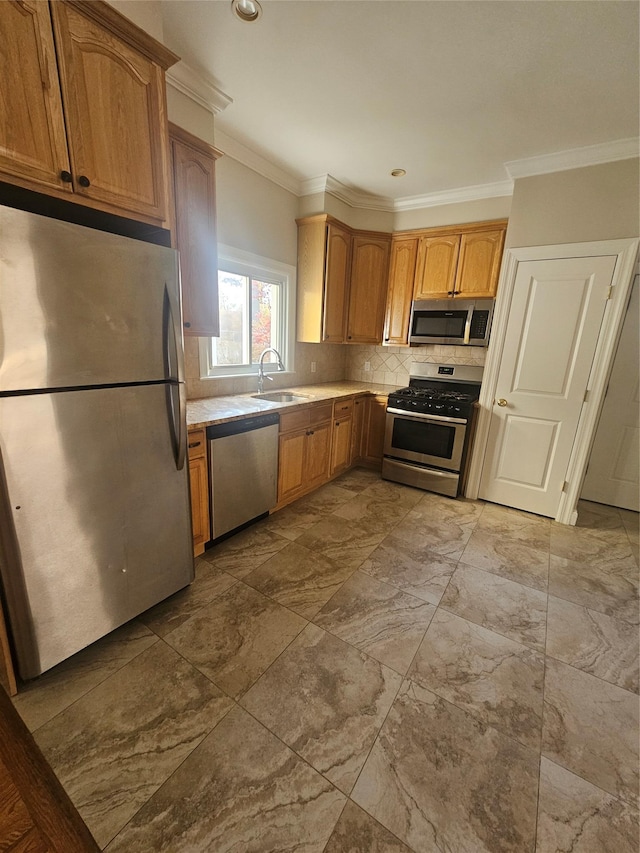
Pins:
x: 373, y: 668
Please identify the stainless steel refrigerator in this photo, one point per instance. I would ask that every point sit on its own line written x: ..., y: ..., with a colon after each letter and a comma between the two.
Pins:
x: 94, y: 496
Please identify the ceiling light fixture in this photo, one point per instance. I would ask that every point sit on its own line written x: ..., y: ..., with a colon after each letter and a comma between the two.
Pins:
x: 398, y: 173
x: 246, y: 10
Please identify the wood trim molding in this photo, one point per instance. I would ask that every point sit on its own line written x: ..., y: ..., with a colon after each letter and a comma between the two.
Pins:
x: 105, y: 15
x: 179, y: 133
x: 462, y: 228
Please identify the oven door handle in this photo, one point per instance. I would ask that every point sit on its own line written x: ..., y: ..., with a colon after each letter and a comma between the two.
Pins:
x: 417, y: 417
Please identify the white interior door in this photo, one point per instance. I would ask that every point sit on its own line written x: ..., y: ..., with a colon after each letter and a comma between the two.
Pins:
x: 613, y: 473
x: 554, y: 322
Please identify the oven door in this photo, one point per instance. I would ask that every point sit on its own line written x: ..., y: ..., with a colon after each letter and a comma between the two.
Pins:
x: 425, y: 439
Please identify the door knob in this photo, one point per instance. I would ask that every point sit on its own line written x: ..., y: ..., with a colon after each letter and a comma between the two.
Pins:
x: 502, y: 402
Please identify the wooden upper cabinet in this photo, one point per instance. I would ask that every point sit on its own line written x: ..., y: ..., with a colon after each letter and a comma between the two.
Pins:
x: 114, y: 100
x: 338, y: 256
x: 436, y: 267
x: 342, y: 279
x: 368, y: 288
x: 479, y: 264
x: 87, y: 120
x: 33, y: 144
x: 195, y: 231
x: 404, y: 253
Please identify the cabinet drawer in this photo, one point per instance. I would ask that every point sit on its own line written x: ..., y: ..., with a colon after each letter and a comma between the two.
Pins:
x: 318, y: 414
x: 294, y: 420
x: 342, y: 407
x: 196, y: 444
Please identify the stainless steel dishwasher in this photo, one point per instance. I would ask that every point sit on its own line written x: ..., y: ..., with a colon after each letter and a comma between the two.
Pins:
x: 243, y: 471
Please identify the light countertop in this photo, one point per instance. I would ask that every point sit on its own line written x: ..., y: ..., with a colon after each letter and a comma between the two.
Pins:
x: 215, y: 410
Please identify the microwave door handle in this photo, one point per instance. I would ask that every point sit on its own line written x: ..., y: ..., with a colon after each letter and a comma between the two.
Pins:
x: 467, y: 326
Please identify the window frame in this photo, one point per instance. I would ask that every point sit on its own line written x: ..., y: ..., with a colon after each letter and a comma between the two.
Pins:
x: 258, y: 267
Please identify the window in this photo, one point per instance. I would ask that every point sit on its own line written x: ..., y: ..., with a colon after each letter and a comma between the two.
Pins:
x: 257, y: 311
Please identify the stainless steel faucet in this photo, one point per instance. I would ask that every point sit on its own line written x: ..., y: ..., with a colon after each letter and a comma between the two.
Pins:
x: 261, y: 376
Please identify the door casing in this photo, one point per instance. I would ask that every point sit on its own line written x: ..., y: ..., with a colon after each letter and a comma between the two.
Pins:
x: 626, y: 251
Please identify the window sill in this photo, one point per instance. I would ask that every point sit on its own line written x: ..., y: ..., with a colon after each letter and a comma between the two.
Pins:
x: 249, y: 375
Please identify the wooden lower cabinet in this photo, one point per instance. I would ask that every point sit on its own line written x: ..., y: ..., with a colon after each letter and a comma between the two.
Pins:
x: 341, y: 445
x: 373, y: 439
x: 304, y: 451
x: 199, y: 486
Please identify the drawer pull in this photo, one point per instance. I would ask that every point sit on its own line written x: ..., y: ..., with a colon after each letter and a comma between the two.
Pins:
x: 193, y: 444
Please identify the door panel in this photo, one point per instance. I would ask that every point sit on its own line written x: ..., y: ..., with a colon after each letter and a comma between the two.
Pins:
x: 336, y: 284
x: 613, y: 476
x: 83, y: 307
x: 531, y: 468
x: 94, y: 521
x: 33, y: 144
x: 553, y: 327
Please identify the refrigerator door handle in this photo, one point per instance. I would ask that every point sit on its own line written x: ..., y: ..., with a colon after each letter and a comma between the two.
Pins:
x: 182, y: 421
x: 171, y: 335
x: 176, y: 415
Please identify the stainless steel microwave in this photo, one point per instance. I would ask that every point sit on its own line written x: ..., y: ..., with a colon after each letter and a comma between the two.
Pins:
x: 463, y: 322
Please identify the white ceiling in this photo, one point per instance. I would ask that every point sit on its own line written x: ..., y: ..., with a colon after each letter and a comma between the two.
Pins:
x: 449, y: 90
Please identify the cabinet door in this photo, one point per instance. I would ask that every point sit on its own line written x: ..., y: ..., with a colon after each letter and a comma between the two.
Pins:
x: 33, y: 145
x: 368, y: 289
x: 436, y: 267
x: 195, y: 218
x: 341, y: 444
x: 402, y: 273
x: 198, y: 481
x: 357, y: 427
x: 336, y: 284
x: 479, y: 264
x: 291, y: 461
x: 317, y: 455
x: 116, y: 120
x: 374, y: 428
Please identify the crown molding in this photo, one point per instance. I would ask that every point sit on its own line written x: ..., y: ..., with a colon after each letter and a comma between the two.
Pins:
x: 199, y: 88
x: 248, y: 157
x: 349, y: 195
x: 574, y: 158
x: 455, y: 196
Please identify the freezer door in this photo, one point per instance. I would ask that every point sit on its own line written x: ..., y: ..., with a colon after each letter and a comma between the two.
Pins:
x: 81, y: 307
x: 94, y: 516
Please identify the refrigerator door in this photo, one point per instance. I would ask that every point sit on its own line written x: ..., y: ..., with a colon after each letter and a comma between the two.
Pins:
x: 94, y: 515
x: 80, y: 307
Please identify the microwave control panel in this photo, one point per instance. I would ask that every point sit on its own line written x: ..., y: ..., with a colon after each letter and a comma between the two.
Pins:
x: 478, y: 328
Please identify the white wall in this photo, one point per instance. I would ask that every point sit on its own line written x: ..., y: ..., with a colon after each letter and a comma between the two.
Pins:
x: 576, y: 206
x: 453, y: 214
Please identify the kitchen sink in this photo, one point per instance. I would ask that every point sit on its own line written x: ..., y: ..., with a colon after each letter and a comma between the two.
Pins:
x: 279, y: 397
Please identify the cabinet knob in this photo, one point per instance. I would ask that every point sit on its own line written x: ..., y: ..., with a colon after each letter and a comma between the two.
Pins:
x: 187, y: 325
x: 456, y: 292
x: 65, y: 176
x: 349, y: 337
x: 449, y: 292
x: 84, y: 181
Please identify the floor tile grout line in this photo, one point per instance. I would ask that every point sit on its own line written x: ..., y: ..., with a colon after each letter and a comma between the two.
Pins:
x: 94, y: 686
x: 595, y: 610
x: 542, y: 715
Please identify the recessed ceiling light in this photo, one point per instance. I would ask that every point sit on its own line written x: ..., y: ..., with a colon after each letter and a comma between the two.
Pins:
x: 398, y: 173
x: 246, y: 10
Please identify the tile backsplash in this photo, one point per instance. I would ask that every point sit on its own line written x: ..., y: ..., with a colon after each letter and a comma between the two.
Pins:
x: 391, y: 365
x: 334, y: 362
x: 329, y: 361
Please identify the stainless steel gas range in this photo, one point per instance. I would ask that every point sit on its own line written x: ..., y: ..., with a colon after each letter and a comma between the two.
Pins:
x: 428, y: 424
